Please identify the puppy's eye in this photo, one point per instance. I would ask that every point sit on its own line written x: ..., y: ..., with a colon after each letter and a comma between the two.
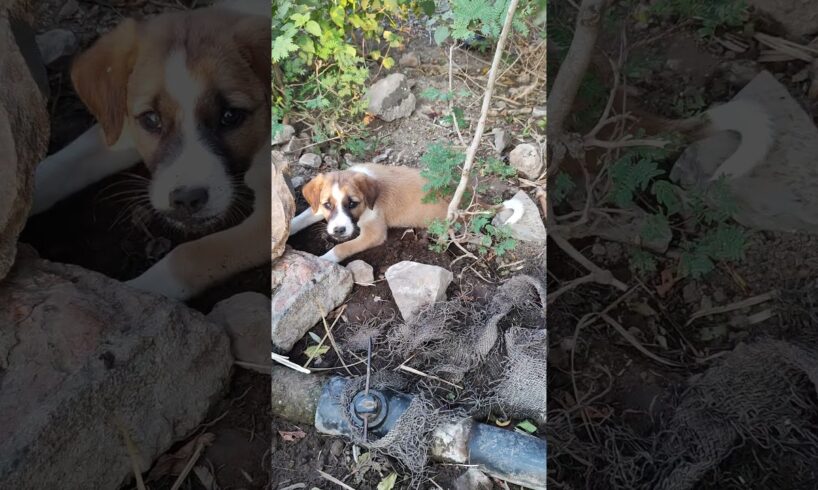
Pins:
x: 231, y: 118
x: 328, y: 205
x: 352, y: 204
x: 150, y: 122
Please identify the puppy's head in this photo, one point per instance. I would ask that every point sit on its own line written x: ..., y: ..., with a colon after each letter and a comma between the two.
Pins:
x: 191, y: 92
x: 342, y: 198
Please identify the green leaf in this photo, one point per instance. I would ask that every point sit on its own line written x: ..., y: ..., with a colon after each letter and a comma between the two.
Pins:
x: 563, y: 185
x: 527, y: 426
x: 667, y: 195
x: 300, y: 19
x: 441, y: 34
x: 388, y: 483
x: 337, y: 15
x: 388, y: 62
x: 313, y: 28
x: 316, y: 351
x: 282, y: 47
x: 655, y: 229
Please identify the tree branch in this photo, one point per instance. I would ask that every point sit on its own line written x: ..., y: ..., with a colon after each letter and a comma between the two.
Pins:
x: 481, y: 123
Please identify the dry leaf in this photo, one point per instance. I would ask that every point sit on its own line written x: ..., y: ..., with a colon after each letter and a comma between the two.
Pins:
x: 292, y: 436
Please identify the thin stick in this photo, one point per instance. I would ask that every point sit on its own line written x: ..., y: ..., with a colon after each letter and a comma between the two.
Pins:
x: 484, y: 112
x: 332, y: 339
x: 755, y: 300
x: 451, y: 97
x: 404, y: 367
x: 632, y: 340
x: 334, y: 480
x: 133, y: 453
x: 189, y: 465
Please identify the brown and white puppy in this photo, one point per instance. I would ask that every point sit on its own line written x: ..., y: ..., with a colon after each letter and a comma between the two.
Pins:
x: 360, y: 204
x: 188, y: 94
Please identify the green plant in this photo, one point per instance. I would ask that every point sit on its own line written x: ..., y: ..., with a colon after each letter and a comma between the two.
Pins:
x: 712, y: 14
x: 708, y: 235
x: 468, y: 18
x: 495, y: 166
x: 320, y: 53
x: 441, y: 169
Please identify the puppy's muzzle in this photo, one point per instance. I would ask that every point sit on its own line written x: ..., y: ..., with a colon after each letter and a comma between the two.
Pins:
x: 187, y: 201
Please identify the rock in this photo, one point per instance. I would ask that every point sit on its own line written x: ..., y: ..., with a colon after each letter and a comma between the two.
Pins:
x: 527, y: 160
x: 296, y: 145
x: 473, y: 479
x: 69, y: 8
x: 501, y: 139
x: 779, y: 193
x: 362, y: 273
x: 690, y: 293
x: 416, y: 285
x: 245, y: 318
x: 24, y: 133
x: 531, y: 227
x: 390, y: 98
x: 409, y: 60
x: 310, y: 160
x: 282, y: 205
x: 740, y: 72
x: 304, y: 286
x: 57, y: 44
x: 284, y: 134
x: 798, y: 17
x: 84, y: 357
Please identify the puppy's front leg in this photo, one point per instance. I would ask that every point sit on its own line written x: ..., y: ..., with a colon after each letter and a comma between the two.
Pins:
x: 373, y: 233
x: 86, y: 160
x: 303, y: 220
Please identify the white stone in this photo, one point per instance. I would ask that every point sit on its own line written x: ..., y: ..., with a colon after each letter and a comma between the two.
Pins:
x: 527, y: 160
x: 415, y: 285
x: 362, y: 273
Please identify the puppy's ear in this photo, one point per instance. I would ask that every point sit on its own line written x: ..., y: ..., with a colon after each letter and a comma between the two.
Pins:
x: 253, y: 37
x: 100, y: 76
x: 369, y: 187
x: 312, y: 192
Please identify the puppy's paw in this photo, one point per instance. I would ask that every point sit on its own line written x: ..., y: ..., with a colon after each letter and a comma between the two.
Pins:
x: 159, y: 279
x: 331, y: 256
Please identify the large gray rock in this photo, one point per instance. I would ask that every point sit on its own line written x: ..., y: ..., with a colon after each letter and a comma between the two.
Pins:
x: 531, y: 227
x: 390, y: 98
x: 415, y: 285
x: 24, y: 132
x: 245, y: 318
x: 83, y: 357
x: 798, y: 17
x: 779, y: 193
x: 304, y: 286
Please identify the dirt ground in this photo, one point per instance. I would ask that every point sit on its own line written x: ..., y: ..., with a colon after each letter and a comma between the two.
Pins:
x: 99, y: 232
x: 598, y: 381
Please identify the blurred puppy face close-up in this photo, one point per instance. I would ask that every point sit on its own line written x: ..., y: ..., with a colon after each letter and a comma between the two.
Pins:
x: 343, y: 199
x: 191, y: 92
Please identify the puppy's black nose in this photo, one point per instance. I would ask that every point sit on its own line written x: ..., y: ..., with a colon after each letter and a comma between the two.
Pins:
x: 339, y: 230
x: 188, y: 199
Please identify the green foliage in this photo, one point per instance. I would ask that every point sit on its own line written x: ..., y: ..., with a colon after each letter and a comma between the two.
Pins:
x: 563, y: 185
x: 320, y: 51
x: 636, y: 176
x: 712, y: 14
x: 495, y: 166
x: 467, y: 19
x: 633, y: 172
x: 441, y: 168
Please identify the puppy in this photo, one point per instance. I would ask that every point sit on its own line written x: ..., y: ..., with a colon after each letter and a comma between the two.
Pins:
x: 362, y: 203
x: 188, y: 94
